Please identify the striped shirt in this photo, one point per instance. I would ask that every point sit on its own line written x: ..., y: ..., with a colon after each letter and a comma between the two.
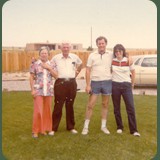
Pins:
x: 121, y: 70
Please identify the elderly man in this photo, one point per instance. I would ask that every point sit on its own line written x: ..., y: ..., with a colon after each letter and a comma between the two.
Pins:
x: 68, y: 66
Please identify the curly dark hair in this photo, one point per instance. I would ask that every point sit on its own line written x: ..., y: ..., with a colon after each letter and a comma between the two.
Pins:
x: 119, y: 47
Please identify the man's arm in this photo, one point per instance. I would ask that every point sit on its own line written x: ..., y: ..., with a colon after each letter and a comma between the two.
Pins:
x: 79, y: 67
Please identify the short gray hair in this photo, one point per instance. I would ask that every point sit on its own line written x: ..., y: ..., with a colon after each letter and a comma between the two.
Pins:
x: 65, y: 42
x: 43, y: 48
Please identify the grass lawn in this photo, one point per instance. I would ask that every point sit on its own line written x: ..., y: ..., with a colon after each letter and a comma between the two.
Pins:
x: 17, y: 143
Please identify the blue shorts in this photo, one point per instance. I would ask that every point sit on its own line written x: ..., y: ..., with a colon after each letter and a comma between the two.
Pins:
x: 101, y: 87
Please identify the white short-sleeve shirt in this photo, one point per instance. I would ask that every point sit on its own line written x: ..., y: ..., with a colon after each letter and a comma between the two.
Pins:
x: 100, y: 65
x: 66, y: 67
x: 121, y: 70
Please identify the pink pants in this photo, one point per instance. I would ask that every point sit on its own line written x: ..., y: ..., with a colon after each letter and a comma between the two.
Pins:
x: 42, y: 115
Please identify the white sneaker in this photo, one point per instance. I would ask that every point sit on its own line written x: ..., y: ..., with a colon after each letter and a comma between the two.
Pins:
x: 105, y: 130
x: 136, y: 134
x: 73, y: 131
x: 119, y: 131
x: 85, y: 131
x: 51, y: 133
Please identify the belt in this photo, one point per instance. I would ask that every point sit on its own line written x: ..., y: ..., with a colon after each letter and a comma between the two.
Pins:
x: 66, y: 79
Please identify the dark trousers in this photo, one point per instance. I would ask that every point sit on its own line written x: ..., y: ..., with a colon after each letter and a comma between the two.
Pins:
x: 125, y: 90
x: 65, y: 93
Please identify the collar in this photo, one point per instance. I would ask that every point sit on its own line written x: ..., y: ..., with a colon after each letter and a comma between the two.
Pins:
x: 106, y: 52
x: 123, y: 59
x: 69, y: 56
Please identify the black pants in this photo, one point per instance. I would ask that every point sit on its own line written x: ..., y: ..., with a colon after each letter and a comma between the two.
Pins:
x: 125, y: 90
x: 65, y: 93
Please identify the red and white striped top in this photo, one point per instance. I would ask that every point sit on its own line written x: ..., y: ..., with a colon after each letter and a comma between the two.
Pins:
x: 121, y: 70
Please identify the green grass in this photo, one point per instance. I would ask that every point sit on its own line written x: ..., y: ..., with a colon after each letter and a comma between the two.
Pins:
x: 17, y: 143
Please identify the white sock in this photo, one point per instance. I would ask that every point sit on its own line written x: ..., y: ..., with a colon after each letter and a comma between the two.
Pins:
x: 103, y: 125
x: 86, y: 123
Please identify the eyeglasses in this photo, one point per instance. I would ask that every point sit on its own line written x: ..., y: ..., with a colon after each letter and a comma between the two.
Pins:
x: 120, y: 51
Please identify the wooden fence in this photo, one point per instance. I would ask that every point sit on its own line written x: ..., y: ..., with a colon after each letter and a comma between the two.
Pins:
x: 19, y: 60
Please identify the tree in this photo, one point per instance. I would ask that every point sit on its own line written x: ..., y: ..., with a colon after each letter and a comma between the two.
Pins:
x: 89, y: 48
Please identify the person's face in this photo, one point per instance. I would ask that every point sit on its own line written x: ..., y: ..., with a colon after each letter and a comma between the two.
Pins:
x: 101, y: 44
x: 119, y: 54
x: 65, y: 49
x: 44, y: 55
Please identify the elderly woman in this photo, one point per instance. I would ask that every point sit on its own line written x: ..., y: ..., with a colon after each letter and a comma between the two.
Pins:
x: 41, y: 73
x: 123, y: 75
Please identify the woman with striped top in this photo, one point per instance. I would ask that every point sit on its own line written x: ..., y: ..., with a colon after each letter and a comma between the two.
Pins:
x: 123, y: 75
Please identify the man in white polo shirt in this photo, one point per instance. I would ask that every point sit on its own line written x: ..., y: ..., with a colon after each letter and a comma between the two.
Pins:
x: 68, y: 66
x: 98, y: 81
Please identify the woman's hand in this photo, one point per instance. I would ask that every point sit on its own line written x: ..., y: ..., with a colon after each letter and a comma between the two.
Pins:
x: 46, y: 66
x: 33, y: 93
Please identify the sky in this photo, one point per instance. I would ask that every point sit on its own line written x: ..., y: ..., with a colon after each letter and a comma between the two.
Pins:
x: 132, y: 23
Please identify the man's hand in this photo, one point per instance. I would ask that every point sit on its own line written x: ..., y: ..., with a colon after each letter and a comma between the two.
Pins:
x: 88, y: 89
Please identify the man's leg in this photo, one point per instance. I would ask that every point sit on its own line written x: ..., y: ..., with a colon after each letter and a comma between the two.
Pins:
x: 105, y: 105
x: 59, y: 91
x: 90, y: 105
x: 89, y: 111
x: 71, y: 94
x: 104, y: 113
x: 106, y: 91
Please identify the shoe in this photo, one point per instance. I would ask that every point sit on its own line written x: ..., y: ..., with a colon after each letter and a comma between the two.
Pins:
x: 51, y: 133
x: 35, y: 135
x: 44, y: 133
x: 119, y: 131
x: 85, y: 131
x: 136, y: 134
x: 105, y: 130
x: 73, y: 131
